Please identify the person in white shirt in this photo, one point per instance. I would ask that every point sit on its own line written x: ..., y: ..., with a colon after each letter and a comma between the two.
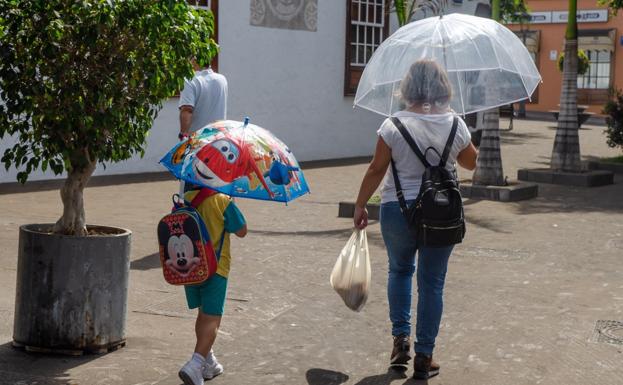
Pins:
x: 202, y: 101
x: 426, y: 92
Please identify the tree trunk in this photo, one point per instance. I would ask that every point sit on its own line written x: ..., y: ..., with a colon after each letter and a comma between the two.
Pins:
x: 73, y: 221
x: 566, y: 151
x: 489, y: 164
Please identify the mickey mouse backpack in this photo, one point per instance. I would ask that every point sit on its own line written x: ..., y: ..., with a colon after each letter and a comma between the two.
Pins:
x: 186, y: 253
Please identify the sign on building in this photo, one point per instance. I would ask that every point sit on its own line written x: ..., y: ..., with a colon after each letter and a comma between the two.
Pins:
x: 584, y: 16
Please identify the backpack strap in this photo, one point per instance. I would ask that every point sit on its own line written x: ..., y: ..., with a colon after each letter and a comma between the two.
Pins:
x: 201, y: 196
x: 446, y: 150
x: 220, y: 247
x: 399, y: 193
x: 409, y: 139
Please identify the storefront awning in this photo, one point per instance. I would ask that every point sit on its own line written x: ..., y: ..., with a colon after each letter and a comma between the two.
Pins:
x: 597, y: 39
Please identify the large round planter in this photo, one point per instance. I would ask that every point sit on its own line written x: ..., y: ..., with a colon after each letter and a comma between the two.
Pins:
x: 71, y: 291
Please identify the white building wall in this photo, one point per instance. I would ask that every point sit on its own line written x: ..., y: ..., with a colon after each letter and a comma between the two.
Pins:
x: 290, y: 82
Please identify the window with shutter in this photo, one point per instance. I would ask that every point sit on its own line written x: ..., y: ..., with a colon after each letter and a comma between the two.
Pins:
x: 367, y: 25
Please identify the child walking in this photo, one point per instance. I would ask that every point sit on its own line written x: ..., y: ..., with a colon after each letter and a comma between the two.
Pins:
x: 222, y: 217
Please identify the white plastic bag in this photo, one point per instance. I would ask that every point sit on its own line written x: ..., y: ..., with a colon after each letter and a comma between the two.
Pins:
x: 351, y: 274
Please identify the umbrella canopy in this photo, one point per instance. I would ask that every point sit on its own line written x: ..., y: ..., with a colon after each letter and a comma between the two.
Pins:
x: 487, y: 64
x: 240, y: 160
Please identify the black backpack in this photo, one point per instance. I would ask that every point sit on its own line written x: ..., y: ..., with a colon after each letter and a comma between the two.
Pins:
x: 436, y: 218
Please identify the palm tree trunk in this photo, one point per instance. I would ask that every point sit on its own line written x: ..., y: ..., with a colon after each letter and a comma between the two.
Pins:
x: 566, y: 151
x: 489, y: 164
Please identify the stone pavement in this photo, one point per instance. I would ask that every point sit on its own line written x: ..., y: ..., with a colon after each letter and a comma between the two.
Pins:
x: 524, y: 292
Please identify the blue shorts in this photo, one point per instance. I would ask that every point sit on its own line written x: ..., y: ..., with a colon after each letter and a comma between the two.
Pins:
x: 210, y: 295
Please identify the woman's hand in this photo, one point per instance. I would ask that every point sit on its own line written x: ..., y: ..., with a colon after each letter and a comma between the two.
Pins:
x: 360, y: 218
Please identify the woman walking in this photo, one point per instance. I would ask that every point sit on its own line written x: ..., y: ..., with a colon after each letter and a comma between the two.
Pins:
x: 426, y: 93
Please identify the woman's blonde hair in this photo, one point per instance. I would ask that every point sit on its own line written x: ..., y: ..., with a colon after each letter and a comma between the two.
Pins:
x: 426, y: 82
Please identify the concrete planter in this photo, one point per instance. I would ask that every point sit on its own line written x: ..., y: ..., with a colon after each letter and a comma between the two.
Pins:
x: 347, y: 210
x: 71, y: 292
x: 512, y: 193
x: 616, y: 168
x: 590, y: 178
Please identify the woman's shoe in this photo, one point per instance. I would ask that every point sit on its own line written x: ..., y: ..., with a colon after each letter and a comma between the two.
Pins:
x: 424, y: 367
x: 401, y: 353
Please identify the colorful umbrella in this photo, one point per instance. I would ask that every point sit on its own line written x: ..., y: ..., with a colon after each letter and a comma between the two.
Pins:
x: 238, y: 159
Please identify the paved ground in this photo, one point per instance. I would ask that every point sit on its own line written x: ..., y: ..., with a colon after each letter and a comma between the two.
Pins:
x: 524, y: 291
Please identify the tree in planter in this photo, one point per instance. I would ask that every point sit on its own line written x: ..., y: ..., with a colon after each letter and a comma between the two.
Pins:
x: 566, y: 151
x: 489, y: 171
x: 82, y: 81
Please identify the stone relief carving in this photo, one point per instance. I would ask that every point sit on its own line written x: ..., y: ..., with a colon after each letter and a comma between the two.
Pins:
x: 286, y: 14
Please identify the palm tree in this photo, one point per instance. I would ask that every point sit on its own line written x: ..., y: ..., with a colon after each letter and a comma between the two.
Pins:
x: 489, y: 164
x: 406, y: 9
x: 566, y: 151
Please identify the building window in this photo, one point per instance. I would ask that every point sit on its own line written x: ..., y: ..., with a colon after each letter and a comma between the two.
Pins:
x: 598, y: 74
x: 367, y: 25
x: 205, y: 4
x: 211, y: 5
x: 599, y: 45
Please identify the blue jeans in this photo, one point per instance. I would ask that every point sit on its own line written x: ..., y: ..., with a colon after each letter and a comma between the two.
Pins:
x: 431, y: 274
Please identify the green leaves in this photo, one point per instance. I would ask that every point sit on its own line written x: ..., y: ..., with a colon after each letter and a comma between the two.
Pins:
x: 583, y: 62
x: 89, y: 76
x: 514, y: 11
x: 614, y: 5
x: 614, y: 119
x: 401, y: 11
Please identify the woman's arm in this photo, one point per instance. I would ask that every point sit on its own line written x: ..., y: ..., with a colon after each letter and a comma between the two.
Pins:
x: 371, y: 180
x: 467, y: 157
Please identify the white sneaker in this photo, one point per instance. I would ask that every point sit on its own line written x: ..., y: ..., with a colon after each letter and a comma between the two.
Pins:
x: 211, y: 369
x: 191, y: 374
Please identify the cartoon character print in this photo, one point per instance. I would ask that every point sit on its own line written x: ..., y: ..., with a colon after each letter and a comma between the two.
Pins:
x: 224, y: 160
x: 181, y: 255
x: 281, y: 172
x: 192, y: 142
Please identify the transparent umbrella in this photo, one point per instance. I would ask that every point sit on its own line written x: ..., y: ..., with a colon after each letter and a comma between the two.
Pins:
x: 487, y: 65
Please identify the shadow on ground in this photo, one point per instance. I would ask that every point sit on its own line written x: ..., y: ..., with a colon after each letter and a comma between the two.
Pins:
x: 20, y: 367
x: 316, y: 376
x: 569, y: 199
x: 148, y: 262
x: 516, y: 138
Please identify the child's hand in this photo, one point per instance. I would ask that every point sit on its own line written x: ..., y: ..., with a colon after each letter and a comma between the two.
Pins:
x: 242, y: 232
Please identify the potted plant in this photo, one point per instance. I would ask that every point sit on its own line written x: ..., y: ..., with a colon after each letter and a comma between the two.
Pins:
x: 81, y: 83
x: 614, y: 133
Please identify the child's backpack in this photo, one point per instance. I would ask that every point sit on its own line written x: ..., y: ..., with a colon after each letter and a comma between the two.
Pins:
x: 436, y: 217
x: 186, y: 253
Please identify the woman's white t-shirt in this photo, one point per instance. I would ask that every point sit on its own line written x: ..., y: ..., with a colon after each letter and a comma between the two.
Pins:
x: 428, y: 131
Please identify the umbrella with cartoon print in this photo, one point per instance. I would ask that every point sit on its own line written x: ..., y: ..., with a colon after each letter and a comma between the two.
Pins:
x: 238, y: 159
